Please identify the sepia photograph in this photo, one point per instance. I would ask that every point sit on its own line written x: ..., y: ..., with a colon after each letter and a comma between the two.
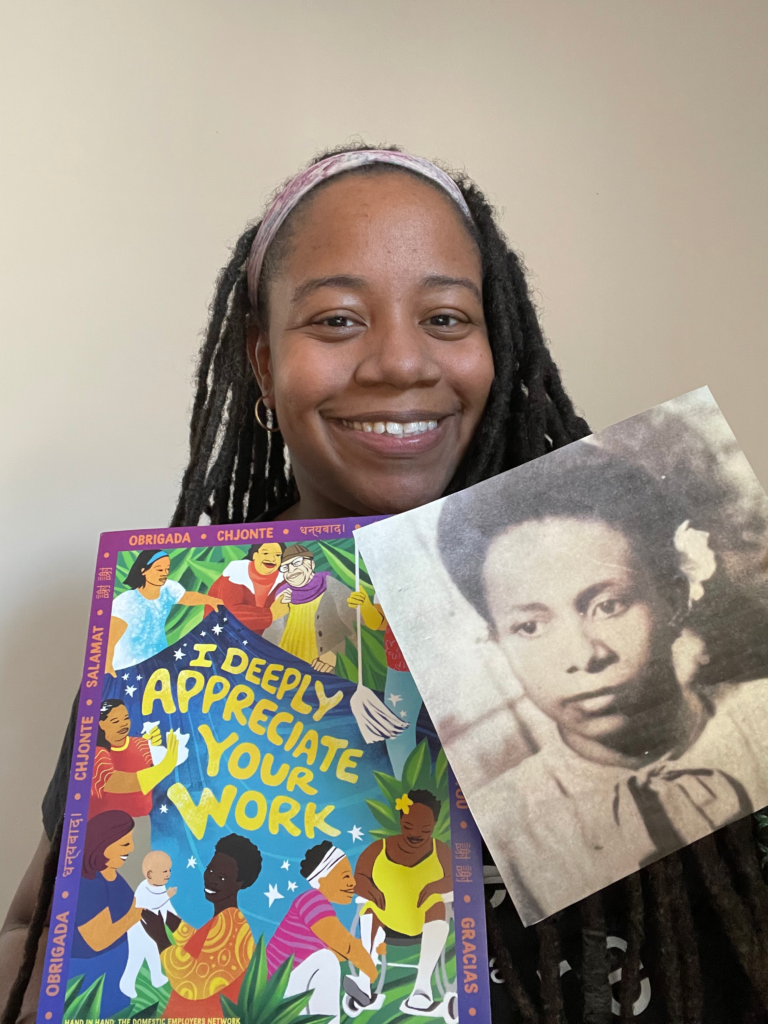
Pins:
x: 590, y: 635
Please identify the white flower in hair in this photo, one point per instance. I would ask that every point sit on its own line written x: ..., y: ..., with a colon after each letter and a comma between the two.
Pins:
x: 697, y: 559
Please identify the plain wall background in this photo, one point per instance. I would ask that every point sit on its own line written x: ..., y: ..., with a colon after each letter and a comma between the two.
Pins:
x: 624, y: 144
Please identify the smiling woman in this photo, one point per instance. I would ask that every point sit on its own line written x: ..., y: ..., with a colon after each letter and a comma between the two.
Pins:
x: 371, y: 347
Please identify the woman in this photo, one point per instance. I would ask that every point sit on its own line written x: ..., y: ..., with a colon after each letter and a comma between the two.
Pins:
x: 106, y: 909
x: 404, y: 878
x: 588, y: 572
x: 137, y: 625
x: 203, y: 964
x: 374, y: 345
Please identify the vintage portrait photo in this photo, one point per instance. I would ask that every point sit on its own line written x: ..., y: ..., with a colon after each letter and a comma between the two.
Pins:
x: 589, y: 633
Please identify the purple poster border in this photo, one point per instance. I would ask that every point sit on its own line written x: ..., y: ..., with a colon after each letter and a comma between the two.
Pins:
x: 472, y: 976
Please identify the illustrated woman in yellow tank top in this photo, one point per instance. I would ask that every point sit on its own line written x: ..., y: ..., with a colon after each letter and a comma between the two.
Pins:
x: 404, y: 878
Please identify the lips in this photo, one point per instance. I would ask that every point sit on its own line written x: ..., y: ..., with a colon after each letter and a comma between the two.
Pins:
x: 595, y: 702
x: 399, y: 438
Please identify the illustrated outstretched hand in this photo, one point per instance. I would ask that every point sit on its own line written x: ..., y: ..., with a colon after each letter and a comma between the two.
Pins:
x: 370, y: 614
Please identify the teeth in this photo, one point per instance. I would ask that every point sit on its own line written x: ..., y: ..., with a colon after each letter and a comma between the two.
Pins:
x: 392, y: 427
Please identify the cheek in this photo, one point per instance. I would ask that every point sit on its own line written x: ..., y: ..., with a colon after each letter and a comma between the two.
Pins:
x: 634, y: 636
x: 532, y: 663
x: 306, y: 374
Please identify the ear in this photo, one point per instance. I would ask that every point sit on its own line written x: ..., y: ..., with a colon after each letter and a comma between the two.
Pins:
x: 260, y: 358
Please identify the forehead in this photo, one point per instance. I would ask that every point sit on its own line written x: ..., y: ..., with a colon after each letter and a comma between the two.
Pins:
x: 359, y: 223
x: 224, y: 863
x: 543, y: 559
x: 158, y: 859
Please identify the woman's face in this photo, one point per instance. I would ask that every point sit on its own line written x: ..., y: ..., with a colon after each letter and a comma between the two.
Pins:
x: 417, y: 826
x: 116, y: 853
x: 338, y: 885
x: 584, y: 628
x: 157, y: 573
x: 116, y: 726
x: 376, y: 358
x: 220, y: 881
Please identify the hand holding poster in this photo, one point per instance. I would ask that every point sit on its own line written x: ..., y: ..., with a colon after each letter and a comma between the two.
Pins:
x: 589, y: 634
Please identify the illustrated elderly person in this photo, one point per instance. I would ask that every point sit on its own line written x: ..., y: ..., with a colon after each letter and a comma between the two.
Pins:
x: 311, y: 615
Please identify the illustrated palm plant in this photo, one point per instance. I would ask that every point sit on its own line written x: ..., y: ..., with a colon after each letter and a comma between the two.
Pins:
x: 262, y: 999
x: 148, y: 1003
x: 418, y: 773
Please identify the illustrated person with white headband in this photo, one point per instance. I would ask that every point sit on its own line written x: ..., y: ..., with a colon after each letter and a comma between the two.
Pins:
x: 137, y: 625
x: 315, y: 937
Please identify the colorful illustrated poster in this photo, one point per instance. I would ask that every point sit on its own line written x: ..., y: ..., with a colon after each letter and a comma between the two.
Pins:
x: 261, y: 824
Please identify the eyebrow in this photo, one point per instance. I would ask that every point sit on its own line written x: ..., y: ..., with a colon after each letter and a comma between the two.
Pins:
x: 534, y: 606
x: 337, y: 281
x: 347, y: 281
x: 446, y: 281
x: 586, y: 597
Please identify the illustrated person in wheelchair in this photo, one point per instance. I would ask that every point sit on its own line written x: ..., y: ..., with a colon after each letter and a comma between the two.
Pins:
x: 315, y: 937
x: 405, y: 879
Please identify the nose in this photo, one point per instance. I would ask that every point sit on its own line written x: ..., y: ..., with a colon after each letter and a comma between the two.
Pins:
x: 398, y: 355
x: 586, y: 652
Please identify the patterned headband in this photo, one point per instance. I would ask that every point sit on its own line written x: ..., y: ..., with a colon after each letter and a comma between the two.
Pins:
x: 305, y: 181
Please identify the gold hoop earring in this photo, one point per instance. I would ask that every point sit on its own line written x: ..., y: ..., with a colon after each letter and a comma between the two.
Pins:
x: 264, y: 426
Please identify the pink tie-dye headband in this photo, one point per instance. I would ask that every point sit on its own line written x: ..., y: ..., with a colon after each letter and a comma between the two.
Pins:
x: 305, y: 181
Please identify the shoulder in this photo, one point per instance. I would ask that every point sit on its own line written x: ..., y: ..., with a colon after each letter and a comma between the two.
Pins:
x: 125, y: 602
x: 336, y: 588
x: 174, y: 590
x: 313, y: 906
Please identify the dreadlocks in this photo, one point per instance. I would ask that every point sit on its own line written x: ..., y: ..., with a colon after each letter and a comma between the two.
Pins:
x: 236, y: 471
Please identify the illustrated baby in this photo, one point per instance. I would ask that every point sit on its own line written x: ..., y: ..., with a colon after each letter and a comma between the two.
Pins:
x: 151, y: 894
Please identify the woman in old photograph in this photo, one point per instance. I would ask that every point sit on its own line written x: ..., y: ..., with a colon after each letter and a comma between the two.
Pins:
x: 588, y: 573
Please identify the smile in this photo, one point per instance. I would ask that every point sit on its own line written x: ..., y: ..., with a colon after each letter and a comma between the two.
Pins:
x: 392, y: 427
x: 212, y: 891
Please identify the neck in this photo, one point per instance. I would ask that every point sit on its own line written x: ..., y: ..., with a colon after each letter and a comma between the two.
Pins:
x: 110, y: 874
x: 227, y: 904
x: 150, y: 591
x: 667, y: 728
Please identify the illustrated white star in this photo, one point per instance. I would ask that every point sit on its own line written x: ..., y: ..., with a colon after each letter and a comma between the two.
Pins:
x: 203, y: 633
x: 130, y: 690
x: 273, y: 895
x: 356, y: 833
x: 191, y: 863
x: 178, y: 654
x: 291, y: 886
x: 217, y: 629
x: 403, y: 714
x: 394, y: 699
x: 163, y: 808
x: 138, y: 679
x: 245, y: 643
x: 285, y: 865
x: 125, y: 676
x: 223, y: 620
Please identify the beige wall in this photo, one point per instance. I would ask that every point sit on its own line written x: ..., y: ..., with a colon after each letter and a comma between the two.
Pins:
x: 625, y: 144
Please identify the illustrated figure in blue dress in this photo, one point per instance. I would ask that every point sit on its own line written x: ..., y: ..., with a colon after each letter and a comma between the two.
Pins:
x: 137, y: 626
x: 106, y: 909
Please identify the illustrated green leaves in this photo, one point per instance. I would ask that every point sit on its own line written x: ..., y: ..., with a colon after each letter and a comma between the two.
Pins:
x: 262, y: 999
